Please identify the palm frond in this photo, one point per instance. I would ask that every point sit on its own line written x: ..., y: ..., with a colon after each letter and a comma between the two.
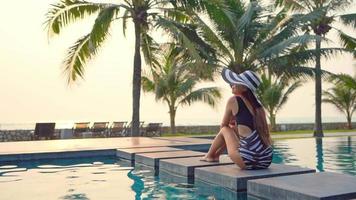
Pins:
x: 286, y: 94
x: 149, y: 48
x: 198, y: 5
x: 286, y: 45
x: 187, y: 36
x: 348, y: 41
x: 338, y: 5
x: 208, y: 95
x: 349, y: 19
x: 77, y: 55
x: 247, y: 16
x: 291, y: 4
x: 224, y: 18
x: 185, y: 86
x: 298, y: 56
x: 87, y: 47
x: 348, y: 80
x: 125, y: 17
x: 296, y: 71
x: 147, y: 84
x: 68, y: 11
x: 213, y: 39
x: 334, y: 99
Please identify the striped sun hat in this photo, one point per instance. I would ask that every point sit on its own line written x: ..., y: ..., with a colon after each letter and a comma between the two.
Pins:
x: 247, y: 78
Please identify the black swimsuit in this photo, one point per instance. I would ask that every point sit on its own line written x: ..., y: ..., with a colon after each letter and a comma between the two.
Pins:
x: 254, y: 153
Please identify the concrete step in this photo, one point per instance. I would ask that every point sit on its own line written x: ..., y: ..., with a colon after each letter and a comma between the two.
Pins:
x: 232, y: 177
x: 323, y: 185
x: 56, y: 155
x: 185, y: 166
x: 152, y: 159
x: 129, y: 154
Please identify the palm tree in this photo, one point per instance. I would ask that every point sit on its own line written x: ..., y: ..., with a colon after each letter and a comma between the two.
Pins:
x: 343, y: 98
x: 146, y: 16
x: 274, y: 93
x: 321, y: 27
x: 173, y: 80
x: 253, y: 37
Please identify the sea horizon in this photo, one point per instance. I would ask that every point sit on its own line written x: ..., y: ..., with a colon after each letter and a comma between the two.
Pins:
x: 61, y: 124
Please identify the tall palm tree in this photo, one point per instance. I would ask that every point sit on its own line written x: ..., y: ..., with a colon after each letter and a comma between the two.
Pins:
x: 174, y: 81
x: 274, y: 93
x: 146, y: 16
x: 321, y: 27
x: 343, y: 98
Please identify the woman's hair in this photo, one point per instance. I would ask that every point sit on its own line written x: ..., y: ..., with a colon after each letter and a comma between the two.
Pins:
x: 259, y: 119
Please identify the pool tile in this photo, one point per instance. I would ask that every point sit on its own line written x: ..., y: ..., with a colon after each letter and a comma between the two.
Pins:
x: 54, y: 155
x: 129, y: 154
x: 323, y: 185
x: 152, y: 159
x: 185, y: 166
x: 232, y: 177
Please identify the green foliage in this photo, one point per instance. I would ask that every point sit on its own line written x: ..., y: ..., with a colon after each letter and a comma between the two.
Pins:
x: 348, y: 80
x: 69, y: 11
x: 86, y: 47
x: 325, y: 22
x: 252, y: 37
x: 274, y: 93
x: 150, y: 15
x: 342, y: 95
x: 174, y: 82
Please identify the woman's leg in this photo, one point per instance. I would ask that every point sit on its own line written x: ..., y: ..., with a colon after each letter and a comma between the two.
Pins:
x: 223, y: 147
x: 218, y: 152
x: 217, y: 146
x: 232, y: 145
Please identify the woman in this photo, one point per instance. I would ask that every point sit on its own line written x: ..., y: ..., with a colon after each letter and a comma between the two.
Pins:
x: 248, y: 142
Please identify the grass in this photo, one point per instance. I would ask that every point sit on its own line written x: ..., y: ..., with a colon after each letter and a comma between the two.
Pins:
x: 273, y: 133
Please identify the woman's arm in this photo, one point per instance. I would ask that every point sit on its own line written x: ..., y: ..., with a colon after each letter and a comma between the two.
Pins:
x: 228, y: 114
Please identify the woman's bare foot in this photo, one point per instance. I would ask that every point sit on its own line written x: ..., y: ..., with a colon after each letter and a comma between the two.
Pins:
x: 209, y: 159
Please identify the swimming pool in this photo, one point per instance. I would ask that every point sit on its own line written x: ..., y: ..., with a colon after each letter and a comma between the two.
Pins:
x: 111, y: 178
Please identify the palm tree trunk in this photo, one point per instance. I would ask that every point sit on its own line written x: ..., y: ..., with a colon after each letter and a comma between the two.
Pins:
x: 348, y: 117
x: 172, y: 114
x: 136, y: 83
x: 318, y: 129
x: 272, y: 119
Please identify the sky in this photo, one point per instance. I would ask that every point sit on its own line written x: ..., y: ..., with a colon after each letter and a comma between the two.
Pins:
x: 33, y: 87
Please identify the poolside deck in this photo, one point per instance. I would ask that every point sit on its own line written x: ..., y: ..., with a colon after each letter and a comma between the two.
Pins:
x: 44, y: 146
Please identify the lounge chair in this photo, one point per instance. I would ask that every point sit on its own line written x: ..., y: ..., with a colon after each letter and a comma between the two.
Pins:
x: 117, y: 129
x: 153, y: 129
x: 80, y: 128
x: 100, y: 129
x: 128, y: 129
x: 44, y: 130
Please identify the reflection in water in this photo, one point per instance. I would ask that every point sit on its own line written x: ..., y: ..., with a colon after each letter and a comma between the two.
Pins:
x: 336, y: 154
x: 138, y: 184
x: 149, y: 186
x: 75, y: 196
x: 319, y: 154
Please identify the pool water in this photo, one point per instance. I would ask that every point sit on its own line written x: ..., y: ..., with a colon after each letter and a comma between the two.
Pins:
x: 333, y: 154
x: 111, y: 178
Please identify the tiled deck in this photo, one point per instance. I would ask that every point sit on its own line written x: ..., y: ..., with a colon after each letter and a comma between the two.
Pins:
x: 323, y: 185
x: 42, y: 146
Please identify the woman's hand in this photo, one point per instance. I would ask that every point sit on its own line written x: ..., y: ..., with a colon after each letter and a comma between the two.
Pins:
x: 232, y: 123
